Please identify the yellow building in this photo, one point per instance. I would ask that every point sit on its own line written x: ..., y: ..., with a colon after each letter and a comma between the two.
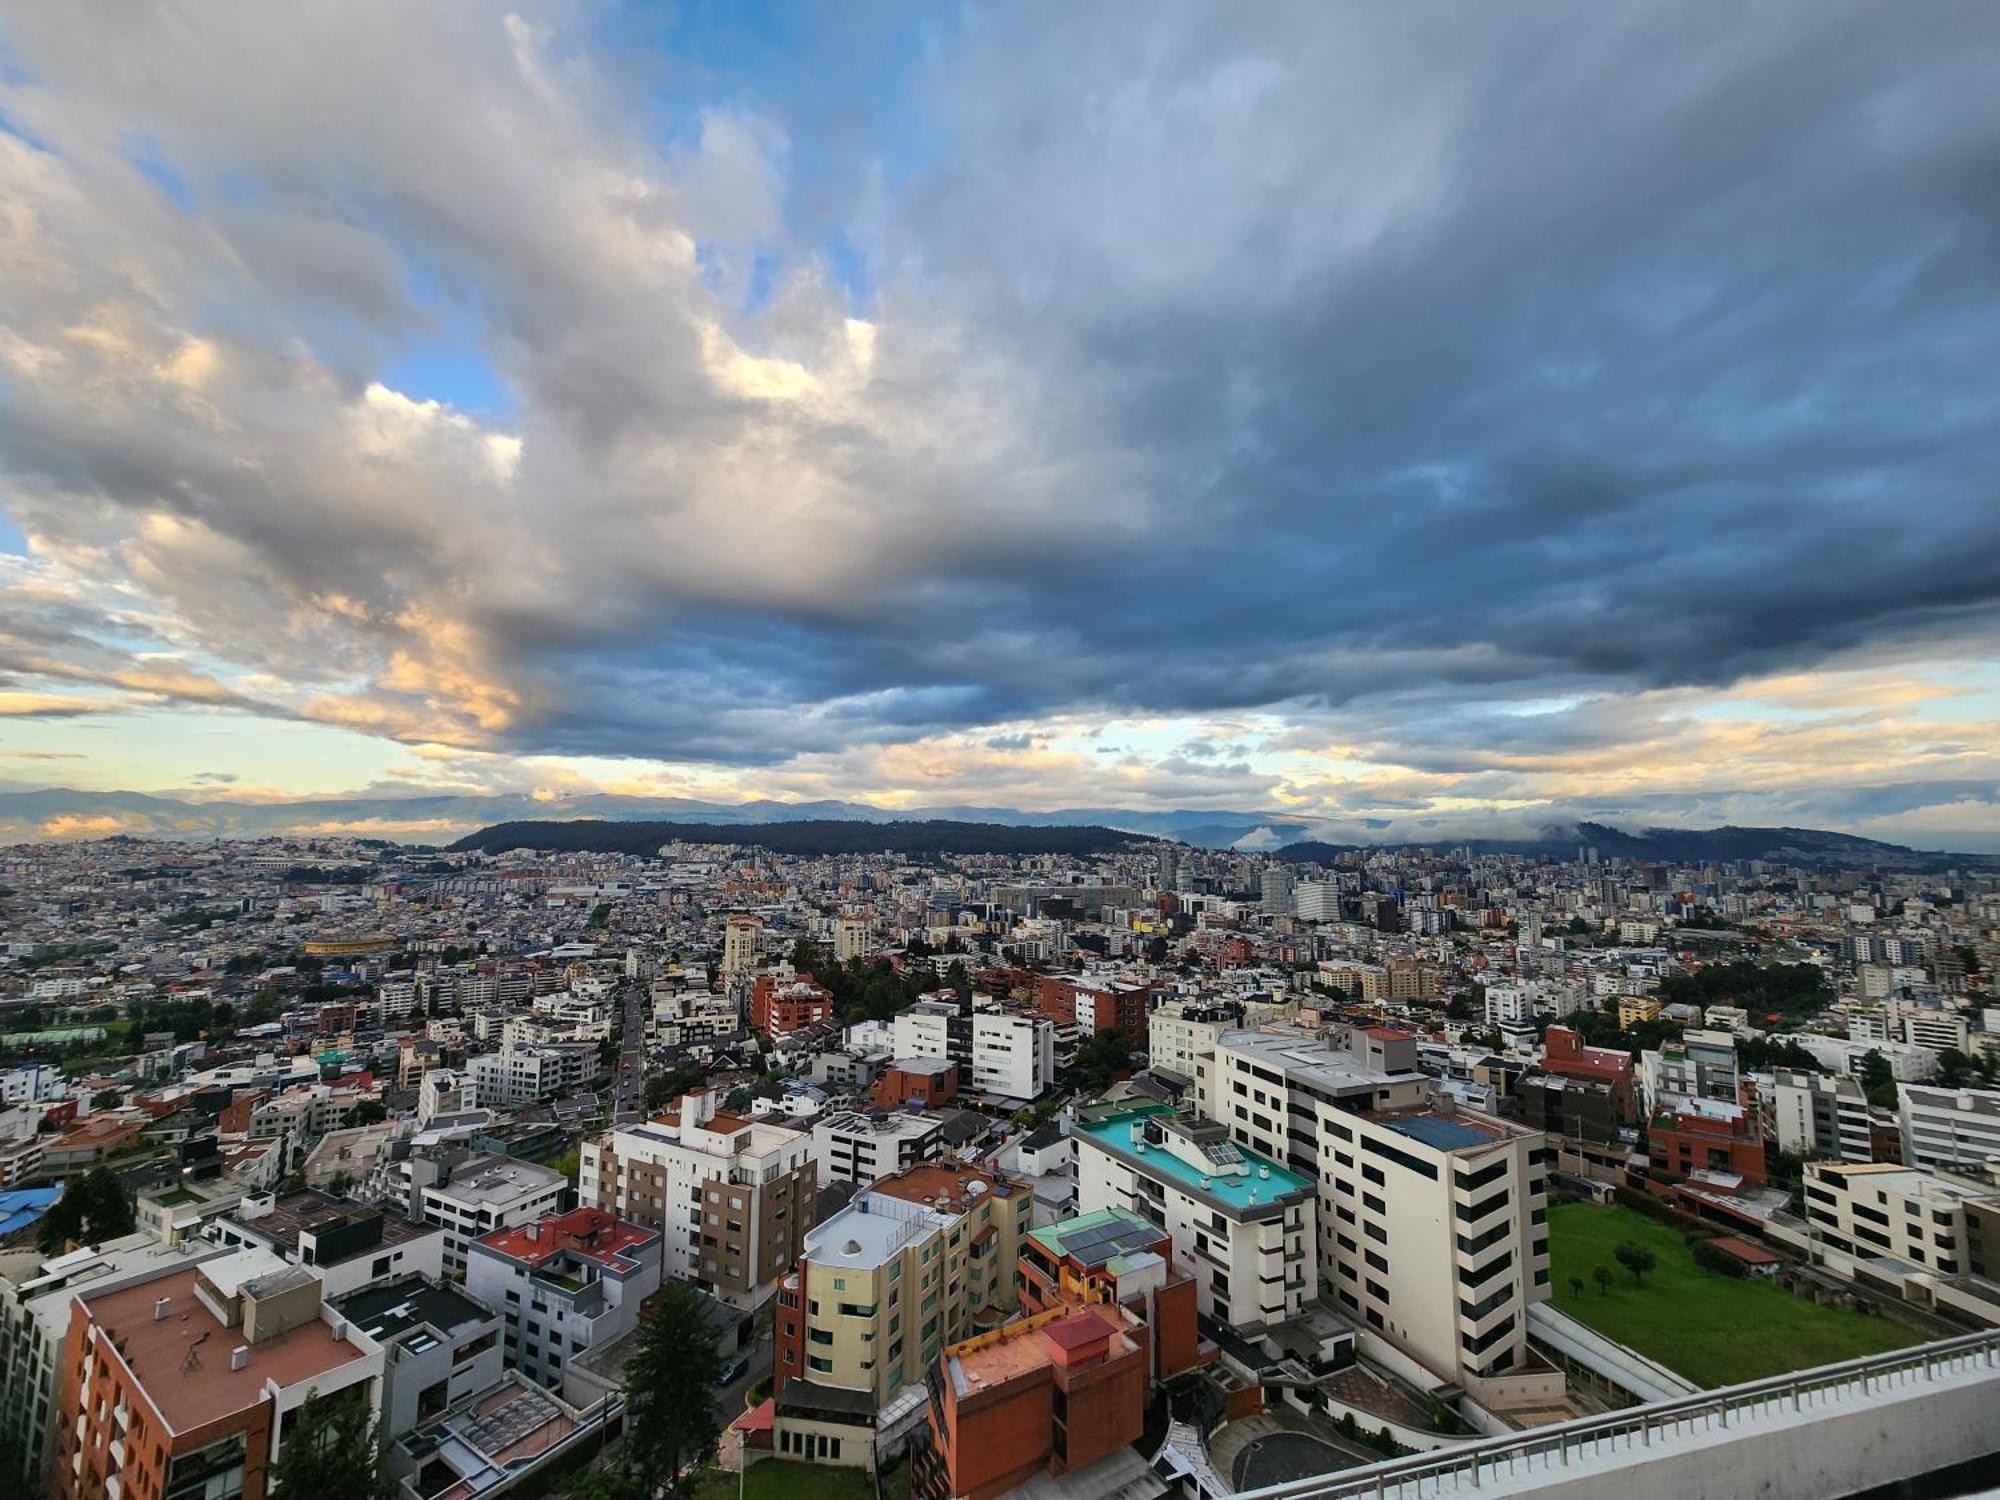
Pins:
x: 920, y: 1260
x: 1633, y: 1009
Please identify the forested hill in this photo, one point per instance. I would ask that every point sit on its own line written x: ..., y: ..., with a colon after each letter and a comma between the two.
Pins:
x: 825, y: 836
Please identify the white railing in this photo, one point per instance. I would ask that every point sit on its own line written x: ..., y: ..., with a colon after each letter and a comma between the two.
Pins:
x: 1634, y: 1429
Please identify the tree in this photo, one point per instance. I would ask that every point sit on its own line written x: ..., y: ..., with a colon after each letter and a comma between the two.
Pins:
x: 1576, y: 1286
x: 333, y: 1452
x: 1635, y: 1258
x: 91, y: 1210
x: 368, y: 1112
x: 1602, y: 1276
x: 603, y: 1484
x: 670, y: 1391
x: 1878, y: 1081
x: 1098, y: 1060
x: 1955, y: 1069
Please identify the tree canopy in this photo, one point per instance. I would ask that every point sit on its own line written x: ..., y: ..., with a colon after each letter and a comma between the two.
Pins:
x: 670, y: 1385
x: 91, y: 1210
x: 333, y: 1452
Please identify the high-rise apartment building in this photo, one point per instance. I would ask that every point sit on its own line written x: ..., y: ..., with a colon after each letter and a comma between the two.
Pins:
x: 734, y: 1197
x: 1430, y: 1217
x: 1956, y: 1129
x: 851, y: 939
x: 1242, y: 1226
x: 917, y: 1261
x: 740, y: 935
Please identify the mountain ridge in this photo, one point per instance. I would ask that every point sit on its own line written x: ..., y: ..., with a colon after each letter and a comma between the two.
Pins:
x: 433, y: 818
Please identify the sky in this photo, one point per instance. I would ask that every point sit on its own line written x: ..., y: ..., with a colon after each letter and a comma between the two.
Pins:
x: 1416, y: 418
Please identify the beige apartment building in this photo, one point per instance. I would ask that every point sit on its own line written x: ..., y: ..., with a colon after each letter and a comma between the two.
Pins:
x: 923, y: 1258
x: 733, y: 1197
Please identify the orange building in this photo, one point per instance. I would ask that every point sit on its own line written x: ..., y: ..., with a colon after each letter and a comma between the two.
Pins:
x: 1107, y: 1317
x: 1710, y: 1137
x: 929, y: 1081
x: 1565, y: 1054
x: 1114, y: 1256
x: 1053, y: 1393
x: 779, y: 1007
x: 182, y: 1384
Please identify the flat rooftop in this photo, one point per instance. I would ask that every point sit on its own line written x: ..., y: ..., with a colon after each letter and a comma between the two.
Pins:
x: 389, y: 1312
x: 1095, y: 1239
x: 1113, y: 1133
x: 1309, y: 1060
x: 182, y: 1360
x: 314, y: 1211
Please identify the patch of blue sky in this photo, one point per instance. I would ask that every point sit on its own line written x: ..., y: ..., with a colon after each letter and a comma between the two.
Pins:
x: 13, y: 540
x: 150, y: 161
x: 455, y: 371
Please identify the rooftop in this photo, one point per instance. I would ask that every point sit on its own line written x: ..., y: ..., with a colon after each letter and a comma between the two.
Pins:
x: 182, y: 1360
x: 1308, y: 1060
x: 314, y: 1212
x: 390, y: 1311
x: 1096, y: 1238
x: 587, y: 1233
x: 1253, y: 1190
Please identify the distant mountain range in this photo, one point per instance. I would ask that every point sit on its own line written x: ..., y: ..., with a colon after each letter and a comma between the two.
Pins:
x: 817, y: 836
x: 441, y: 819
x: 438, y: 819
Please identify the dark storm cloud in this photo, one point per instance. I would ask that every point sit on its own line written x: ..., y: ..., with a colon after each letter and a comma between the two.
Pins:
x: 1404, y: 360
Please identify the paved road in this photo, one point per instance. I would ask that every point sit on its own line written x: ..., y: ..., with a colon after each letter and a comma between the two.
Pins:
x: 629, y: 1092
x: 729, y: 1398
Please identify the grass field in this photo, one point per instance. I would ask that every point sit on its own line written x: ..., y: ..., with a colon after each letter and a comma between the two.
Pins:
x: 1714, y: 1330
x: 775, y: 1479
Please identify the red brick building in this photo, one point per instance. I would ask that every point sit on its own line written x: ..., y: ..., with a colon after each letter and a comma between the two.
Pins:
x: 1094, y: 1009
x: 1106, y: 1316
x: 1564, y: 1053
x: 929, y: 1081
x: 779, y: 1007
x: 1050, y: 1394
x: 1707, y: 1136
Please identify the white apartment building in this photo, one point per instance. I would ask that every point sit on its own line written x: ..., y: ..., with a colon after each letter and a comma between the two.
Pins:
x: 32, y: 1083
x: 855, y: 1147
x: 1242, y: 1225
x: 468, y: 1194
x: 1860, y: 1212
x: 1000, y: 1054
x: 1182, y: 1032
x: 525, y: 1075
x: 1431, y: 1218
x: 1951, y: 1128
x: 734, y: 1197
x: 1318, y: 901
x: 564, y: 1285
x: 1821, y: 1114
x: 443, y: 1092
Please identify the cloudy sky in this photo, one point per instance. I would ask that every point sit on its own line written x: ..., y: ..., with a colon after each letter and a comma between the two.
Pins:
x: 1431, y: 415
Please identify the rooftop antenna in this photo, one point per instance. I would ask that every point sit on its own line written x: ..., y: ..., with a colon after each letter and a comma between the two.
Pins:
x: 192, y: 1359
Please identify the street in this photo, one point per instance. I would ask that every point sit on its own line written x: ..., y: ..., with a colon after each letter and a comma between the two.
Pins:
x: 629, y: 1087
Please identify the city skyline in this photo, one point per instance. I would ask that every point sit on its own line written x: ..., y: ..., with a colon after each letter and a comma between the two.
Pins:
x: 1419, y: 422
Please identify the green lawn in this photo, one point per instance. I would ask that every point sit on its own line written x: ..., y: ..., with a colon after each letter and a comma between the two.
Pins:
x: 1714, y: 1330
x: 775, y: 1479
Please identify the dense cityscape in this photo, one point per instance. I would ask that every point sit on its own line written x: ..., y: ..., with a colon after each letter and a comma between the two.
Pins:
x: 1166, y: 1169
